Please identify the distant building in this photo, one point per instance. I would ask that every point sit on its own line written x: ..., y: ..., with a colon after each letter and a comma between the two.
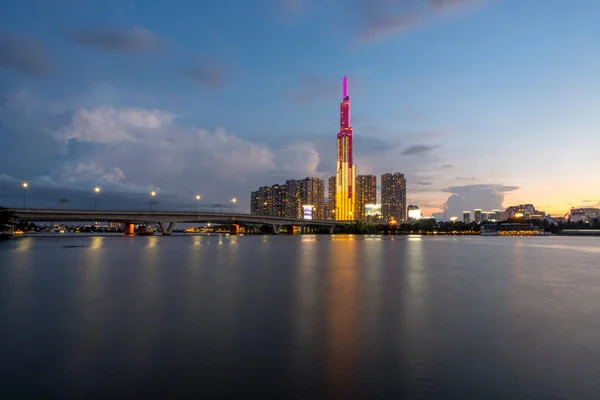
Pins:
x: 467, y: 217
x: 293, y: 190
x: 366, y: 193
x: 313, y: 193
x: 525, y: 211
x: 256, y: 203
x: 478, y: 215
x: 331, y: 198
x: 586, y: 215
x: 414, y: 213
x: 373, y: 213
x: 279, y: 200
x: 393, y: 197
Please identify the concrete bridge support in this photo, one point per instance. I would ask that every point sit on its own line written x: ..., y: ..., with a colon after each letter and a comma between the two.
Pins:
x: 235, y: 229
x: 276, y: 229
x: 129, y: 229
x: 166, y: 231
x: 331, y: 229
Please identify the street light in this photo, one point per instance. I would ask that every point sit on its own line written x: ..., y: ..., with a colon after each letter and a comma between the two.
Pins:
x: 152, y: 200
x: 25, y: 185
x: 96, y: 193
x: 198, y: 197
x: 233, y: 201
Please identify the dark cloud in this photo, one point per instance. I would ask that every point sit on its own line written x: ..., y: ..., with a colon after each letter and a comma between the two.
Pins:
x: 424, y: 183
x: 24, y: 54
x: 135, y: 39
x: 385, y: 17
x: 313, y: 88
x: 470, y: 197
x: 207, y: 72
x: 419, y: 149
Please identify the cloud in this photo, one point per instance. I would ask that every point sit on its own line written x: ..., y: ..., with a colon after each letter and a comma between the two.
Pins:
x: 386, y: 17
x: 418, y: 149
x: 424, y: 183
x: 208, y: 72
x: 313, y: 88
x: 135, y: 39
x: 24, y: 55
x: 447, y: 166
x: 470, y: 197
x: 111, y: 125
x: 465, y: 178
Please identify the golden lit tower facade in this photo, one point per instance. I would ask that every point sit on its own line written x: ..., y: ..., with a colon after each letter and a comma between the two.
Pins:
x: 346, y: 171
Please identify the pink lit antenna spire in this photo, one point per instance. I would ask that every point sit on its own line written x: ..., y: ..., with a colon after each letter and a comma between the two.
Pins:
x: 345, y: 87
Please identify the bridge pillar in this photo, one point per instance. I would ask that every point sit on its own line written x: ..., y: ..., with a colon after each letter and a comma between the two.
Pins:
x: 331, y: 229
x: 276, y: 229
x: 166, y: 231
x: 129, y: 229
x: 235, y: 229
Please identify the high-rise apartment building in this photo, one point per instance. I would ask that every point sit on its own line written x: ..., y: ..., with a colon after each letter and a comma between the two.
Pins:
x: 467, y: 217
x: 393, y: 197
x: 345, y: 170
x: 478, y: 215
x: 279, y: 200
x: 267, y: 199
x: 331, y: 198
x: 366, y: 193
x: 293, y: 191
x: 313, y: 193
x: 256, y: 207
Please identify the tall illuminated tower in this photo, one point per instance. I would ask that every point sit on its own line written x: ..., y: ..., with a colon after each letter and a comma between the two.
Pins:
x: 346, y: 172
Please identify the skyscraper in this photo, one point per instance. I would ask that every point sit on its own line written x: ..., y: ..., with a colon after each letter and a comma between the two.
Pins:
x: 366, y: 193
x: 279, y: 200
x: 331, y: 202
x: 313, y: 193
x: 256, y: 207
x: 293, y: 191
x: 393, y: 197
x: 345, y: 171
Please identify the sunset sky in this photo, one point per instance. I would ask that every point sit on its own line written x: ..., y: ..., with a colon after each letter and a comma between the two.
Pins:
x: 491, y: 102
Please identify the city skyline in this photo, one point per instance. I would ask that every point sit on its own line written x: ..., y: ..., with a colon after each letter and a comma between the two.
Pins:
x: 477, y: 106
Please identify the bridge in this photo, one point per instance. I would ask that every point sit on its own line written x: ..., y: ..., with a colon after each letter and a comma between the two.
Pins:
x: 166, y: 220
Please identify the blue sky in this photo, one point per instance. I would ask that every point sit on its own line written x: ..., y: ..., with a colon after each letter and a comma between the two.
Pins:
x: 493, y: 102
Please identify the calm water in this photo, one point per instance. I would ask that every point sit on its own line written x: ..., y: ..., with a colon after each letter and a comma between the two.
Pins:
x: 300, y: 317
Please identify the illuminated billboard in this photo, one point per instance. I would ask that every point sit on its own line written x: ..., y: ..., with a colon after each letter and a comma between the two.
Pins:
x: 307, y: 212
x: 373, y: 210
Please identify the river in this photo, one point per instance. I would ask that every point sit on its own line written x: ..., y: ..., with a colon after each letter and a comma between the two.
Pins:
x: 300, y: 317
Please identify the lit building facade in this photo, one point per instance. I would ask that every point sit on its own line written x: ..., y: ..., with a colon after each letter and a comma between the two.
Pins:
x: 331, y: 198
x: 414, y: 213
x: 585, y: 215
x: 467, y: 217
x: 279, y: 200
x: 256, y: 207
x: 345, y: 171
x: 366, y: 193
x: 478, y: 215
x: 293, y: 190
x: 313, y: 193
x: 393, y: 197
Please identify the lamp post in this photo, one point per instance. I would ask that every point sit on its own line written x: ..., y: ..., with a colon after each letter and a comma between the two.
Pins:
x: 233, y: 201
x: 198, y: 197
x: 25, y: 185
x: 152, y: 200
x: 96, y: 193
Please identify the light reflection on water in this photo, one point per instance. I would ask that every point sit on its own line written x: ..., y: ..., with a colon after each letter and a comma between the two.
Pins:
x: 312, y: 316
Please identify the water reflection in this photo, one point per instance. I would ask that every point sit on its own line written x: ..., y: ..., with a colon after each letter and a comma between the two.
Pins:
x: 341, y: 353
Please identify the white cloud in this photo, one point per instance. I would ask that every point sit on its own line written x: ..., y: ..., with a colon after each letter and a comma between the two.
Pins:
x: 111, y: 125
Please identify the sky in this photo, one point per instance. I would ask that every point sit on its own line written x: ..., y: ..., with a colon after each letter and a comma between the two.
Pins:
x: 481, y: 103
